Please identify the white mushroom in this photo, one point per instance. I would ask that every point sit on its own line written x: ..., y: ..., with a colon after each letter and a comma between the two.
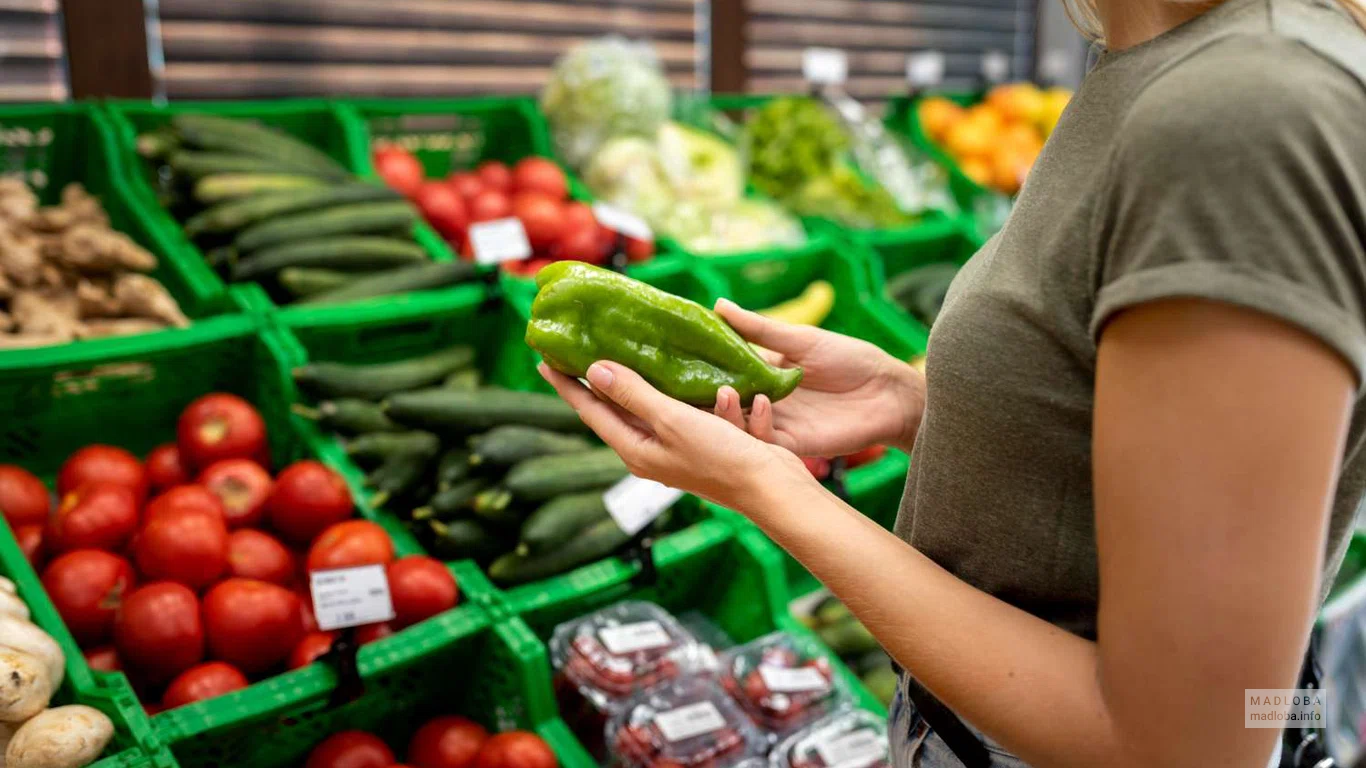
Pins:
x: 25, y: 686
x: 23, y: 636
x: 62, y: 737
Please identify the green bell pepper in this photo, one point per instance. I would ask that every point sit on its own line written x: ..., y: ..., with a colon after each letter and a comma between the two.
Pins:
x: 583, y: 314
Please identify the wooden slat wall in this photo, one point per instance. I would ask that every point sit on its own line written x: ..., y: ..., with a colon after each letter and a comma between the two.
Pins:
x: 31, y: 61
x: 277, y: 48
x: 878, y: 34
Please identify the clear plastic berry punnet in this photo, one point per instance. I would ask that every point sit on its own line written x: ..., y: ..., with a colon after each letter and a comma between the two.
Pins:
x: 849, y: 739
x: 782, y: 683
x: 688, y: 723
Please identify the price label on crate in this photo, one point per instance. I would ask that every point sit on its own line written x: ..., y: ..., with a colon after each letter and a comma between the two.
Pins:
x: 825, y: 66
x: 350, y: 597
x: 857, y: 748
x: 925, y: 69
x: 622, y: 221
x: 995, y: 67
x: 500, y: 240
x: 690, y: 722
x: 635, y: 502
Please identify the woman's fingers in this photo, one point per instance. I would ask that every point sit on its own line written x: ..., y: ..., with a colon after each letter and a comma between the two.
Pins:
x: 728, y: 406
x: 784, y: 338
x: 761, y: 419
x: 601, y: 416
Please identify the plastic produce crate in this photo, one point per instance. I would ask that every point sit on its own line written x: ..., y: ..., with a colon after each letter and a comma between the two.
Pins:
x: 951, y: 242
x: 317, y: 122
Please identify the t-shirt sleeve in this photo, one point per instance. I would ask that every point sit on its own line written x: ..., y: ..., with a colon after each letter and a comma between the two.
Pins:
x: 1239, y: 176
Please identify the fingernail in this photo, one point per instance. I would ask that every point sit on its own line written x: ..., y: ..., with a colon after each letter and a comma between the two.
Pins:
x: 760, y: 403
x: 543, y: 369
x: 599, y: 376
x: 726, y: 303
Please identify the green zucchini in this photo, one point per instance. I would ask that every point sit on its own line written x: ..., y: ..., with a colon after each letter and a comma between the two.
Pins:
x: 467, y: 380
x: 506, y: 445
x: 545, y: 477
x: 236, y: 214
x: 418, y: 277
x: 382, y: 445
x: 595, y: 542
x: 372, y: 382
x: 248, y: 137
x: 465, y: 539
x: 351, y: 416
x: 451, y: 502
x: 446, y: 410
x: 309, y: 281
x: 345, y: 219
x: 343, y: 253
x: 157, y: 144
x: 555, y: 522
x: 200, y: 164
x: 231, y: 186
x: 452, y: 467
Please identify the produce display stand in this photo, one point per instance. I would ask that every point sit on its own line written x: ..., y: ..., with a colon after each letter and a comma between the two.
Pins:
x: 948, y: 242
x: 903, y: 117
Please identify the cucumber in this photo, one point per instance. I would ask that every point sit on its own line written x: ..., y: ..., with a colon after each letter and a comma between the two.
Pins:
x: 344, y: 253
x: 231, y: 186
x: 547, y: 476
x: 221, y: 258
x: 830, y: 611
x: 467, y: 380
x: 418, y: 277
x: 350, y: 416
x: 400, y: 472
x: 309, y: 281
x: 382, y: 445
x: 882, y: 683
x: 250, y: 138
x: 465, y: 539
x: 848, y: 638
x: 495, y: 506
x: 452, y: 467
x: 200, y: 164
x: 157, y: 144
x: 446, y: 410
x: 555, y: 522
x: 236, y: 214
x: 345, y: 219
x: 506, y: 445
x: 372, y: 382
x: 452, y: 502
x: 595, y: 542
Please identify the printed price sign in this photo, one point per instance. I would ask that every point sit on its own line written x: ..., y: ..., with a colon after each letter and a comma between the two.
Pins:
x: 856, y: 749
x: 1056, y: 66
x: 690, y: 721
x: 925, y: 69
x: 825, y: 66
x: 995, y: 67
x: 635, y: 502
x: 621, y: 221
x: 350, y: 597
x: 500, y: 240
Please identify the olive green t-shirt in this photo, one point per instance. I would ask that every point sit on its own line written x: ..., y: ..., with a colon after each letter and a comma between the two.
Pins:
x: 1224, y: 160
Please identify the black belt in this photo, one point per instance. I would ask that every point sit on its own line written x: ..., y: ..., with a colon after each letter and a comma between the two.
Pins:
x: 961, y: 741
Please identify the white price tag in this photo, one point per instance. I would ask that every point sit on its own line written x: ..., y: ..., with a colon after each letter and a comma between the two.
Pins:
x: 854, y: 750
x: 629, y: 638
x: 1056, y: 66
x: 499, y: 240
x: 995, y: 67
x: 350, y: 597
x: 925, y: 69
x: 825, y: 66
x: 622, y: 221
x: 635, y: 502
x: 690, y: 721
x: 792, y: 679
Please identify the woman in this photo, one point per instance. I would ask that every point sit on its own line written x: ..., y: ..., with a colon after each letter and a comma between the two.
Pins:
x: 1138, y: 449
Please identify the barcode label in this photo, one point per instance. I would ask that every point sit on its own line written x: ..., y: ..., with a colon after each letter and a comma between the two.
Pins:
x: 629, y: 638
x: 792, y: 679
x: 854, y: 750
x: 635, y: 502
x: 690, y: 721
x: 350, y: 597
x: 499, y: 240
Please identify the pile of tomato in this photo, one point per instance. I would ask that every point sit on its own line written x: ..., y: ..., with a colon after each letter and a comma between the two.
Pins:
x: 189, y: 570
x: 443, y: 742
x: 534, y: 190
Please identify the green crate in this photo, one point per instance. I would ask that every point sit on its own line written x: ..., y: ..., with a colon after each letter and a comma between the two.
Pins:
x: 736, y: 585
x: 951, y: 242
x: 318, y: 122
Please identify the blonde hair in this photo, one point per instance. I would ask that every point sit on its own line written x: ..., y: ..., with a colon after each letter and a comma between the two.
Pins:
x: 1087, y: 19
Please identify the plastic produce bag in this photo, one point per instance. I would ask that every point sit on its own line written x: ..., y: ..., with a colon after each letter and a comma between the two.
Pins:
x: 851, y: 739
x: 686, y: 723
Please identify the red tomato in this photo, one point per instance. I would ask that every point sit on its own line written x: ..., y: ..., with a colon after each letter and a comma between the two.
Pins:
x: 220, y: 426
x: 158, y: 632
x: 204, y: 681
x: 348, y: 544
x: 447, y: 742
x: 192, y: 497
x: 818, y: 466
x: 525, y: 267
x: 308, y: 497
x: 30, y: 538
x: 105, y: 464
x: 351, y: 749
x: 251, y: 624
x: 495, y: 175
x: 466, y: 184
x: 581, y: 244
x: 516, y: 749
x: 537, y: 174
x: 489, y: 205
x: 866, y: 456
x: 369, y: 633
x: 578, y: 215
x: 103, y: 659
x: 24, y: 499
x: 254, y: 554
x: 164, y: 469
x: 399, y: 169
x: 187, y: 546
x: 313, y: 645
x: 242, y: 486
x: 94, y: 516
x: 443, y: 208
x: 306, y: 617
x: 639, y: 250
x: 87, y: 586
x: 541, y: 216
x: 421, y: 587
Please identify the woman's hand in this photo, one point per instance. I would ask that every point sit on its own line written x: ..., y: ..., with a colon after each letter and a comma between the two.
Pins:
x: 665, y: 440
x: 852, y: 394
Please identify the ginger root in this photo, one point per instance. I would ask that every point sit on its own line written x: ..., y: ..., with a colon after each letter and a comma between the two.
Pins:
x: 41, y: 315
x: 78, y: 208
x: 17, y: 201
x: 141, y: 296
x: 95, y: 298
x: 123, y: 326
x: 88, y: 248
x: 20, y: 258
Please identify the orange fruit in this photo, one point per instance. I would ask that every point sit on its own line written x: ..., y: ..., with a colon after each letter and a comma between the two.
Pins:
x: 938, y: 115
x: 1021, y: 137
x: 1009, y: 167
x: 978, y: 170
x: 1017, y: 101
x: 970, y: 138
